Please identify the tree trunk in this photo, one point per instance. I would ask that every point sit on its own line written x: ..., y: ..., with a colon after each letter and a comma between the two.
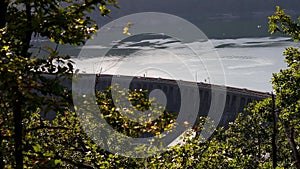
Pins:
x: 274, y: 135
x: 18, y: 128
x: 28, y: 32
x: 1, y: 152
x: 3, y: 10
x: 294, y: 147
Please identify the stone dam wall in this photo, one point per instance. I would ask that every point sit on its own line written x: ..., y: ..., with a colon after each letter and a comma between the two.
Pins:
x: 234, y: 99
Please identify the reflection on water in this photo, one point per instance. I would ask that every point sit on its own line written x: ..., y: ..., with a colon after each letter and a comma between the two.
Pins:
x: 248, y: 62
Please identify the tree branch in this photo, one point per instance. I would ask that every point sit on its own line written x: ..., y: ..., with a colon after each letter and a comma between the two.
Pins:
x: 294, y: 147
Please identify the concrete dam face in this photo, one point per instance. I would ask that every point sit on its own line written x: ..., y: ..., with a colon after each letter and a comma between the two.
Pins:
x: 213, y: 100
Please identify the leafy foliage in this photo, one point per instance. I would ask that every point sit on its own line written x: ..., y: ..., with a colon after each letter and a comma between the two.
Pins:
x: 39, y: 128
x: 139, y: 101
x: 25, y: 90
x: 268, y: 134
x: 284, y: 24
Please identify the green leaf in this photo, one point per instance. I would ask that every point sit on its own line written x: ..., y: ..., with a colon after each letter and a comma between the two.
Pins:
x: 58, y: 161
x: 37, y: 148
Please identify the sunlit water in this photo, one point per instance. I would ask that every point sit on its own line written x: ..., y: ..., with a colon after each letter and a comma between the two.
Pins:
x: 245, y: 62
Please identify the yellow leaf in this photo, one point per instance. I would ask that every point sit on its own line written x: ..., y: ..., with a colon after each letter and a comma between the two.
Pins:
x: 5, y: 48
x: 126, y: 28
x: 126, y: 31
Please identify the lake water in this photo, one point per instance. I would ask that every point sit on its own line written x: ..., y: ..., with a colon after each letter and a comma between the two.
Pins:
x: 244, y: 62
